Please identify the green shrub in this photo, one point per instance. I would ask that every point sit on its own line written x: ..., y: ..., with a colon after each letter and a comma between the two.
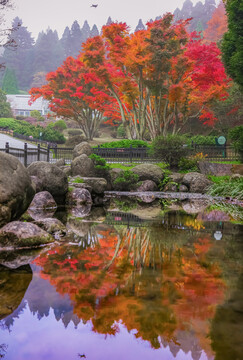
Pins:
x: 78, y: 180
x: 37, y: 115
x: 200, y: 140
x: 74, y: 132
x: 101, y: 168
x: 126, y: 143
x: 24, y: 128
x: 188, y: 164
x: 121, y: 133
x: 169, y: 149
x: 126, y: 180
x: 59, y: 125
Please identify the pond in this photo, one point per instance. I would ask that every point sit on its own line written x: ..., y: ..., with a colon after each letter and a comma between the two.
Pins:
x: 171, y: 288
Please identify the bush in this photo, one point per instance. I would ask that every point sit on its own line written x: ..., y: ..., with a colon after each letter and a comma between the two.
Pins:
x: 200, y: 140
x: 60, y: 125
x: 24, y: 128
x: 236, y: 135
x: 169, y: 149
x: 188, y: 164
x: 126, y: 180
x: 74, y: 140
x: 101, y: 168
x: 37, y: 115
x: 74, y: 132
x: 126, y: 143
x: 121, y: 133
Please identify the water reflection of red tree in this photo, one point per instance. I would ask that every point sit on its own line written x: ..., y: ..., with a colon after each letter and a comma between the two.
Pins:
x: 155, y: 287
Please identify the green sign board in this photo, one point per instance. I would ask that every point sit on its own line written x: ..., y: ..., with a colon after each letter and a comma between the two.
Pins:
x: 221, y: 140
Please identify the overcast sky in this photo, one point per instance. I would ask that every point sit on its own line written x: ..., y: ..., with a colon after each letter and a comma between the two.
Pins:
x: 37, y: 15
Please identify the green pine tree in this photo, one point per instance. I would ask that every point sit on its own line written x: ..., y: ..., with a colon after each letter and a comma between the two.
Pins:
x: 9, y: 84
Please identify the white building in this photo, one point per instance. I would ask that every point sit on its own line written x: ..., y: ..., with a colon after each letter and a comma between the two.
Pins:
x: 20, y: 105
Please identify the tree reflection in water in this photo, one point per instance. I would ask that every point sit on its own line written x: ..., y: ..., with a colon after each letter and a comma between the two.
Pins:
x: 162, y: 284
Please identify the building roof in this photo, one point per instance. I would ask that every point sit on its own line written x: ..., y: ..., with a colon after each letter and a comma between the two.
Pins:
x: 20, y: 102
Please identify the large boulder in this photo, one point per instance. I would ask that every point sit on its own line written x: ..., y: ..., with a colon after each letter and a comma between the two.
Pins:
x: 96, y: 185
x: 196, y: 182
x: 149, y: 172
x: 147, y: 185
x: 52, y: 179
x: 19, y: 234
x: 83, y: 166
x: 83, y: 148
x: 43, y: 200
x: 16, y: 189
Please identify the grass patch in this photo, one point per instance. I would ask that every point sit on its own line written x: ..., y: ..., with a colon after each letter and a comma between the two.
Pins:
x: 78, y: 181
x: 226, y: 187
x: 226, y: 162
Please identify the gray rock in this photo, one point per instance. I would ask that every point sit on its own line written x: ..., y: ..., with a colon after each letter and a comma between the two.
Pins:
x: 176, y: 177
x: 19, y: 234
x: 82, y: 166
x: 66, y: 170
x: 183, y: 188
x: 43, y: 200
x: 60, y: 163
x: 114, y: 173
x: 196, y: 182
x: 98, y: 185
x: 83, y: 148
x: 208, y: 168
x: 16, y: 189
x: 149, y: 172
x: 147, y: 185
x: 52, y: 226
x: 79, y: 196
x: 36, y: 183
x: 147, y: 198
x: 52, y: 179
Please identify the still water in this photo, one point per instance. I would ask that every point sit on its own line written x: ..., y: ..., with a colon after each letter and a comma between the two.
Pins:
x: 168, y: 289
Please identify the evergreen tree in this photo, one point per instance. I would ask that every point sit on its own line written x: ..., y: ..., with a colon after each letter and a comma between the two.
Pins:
x: 76, y: 38
x: 232, y: 45
x: 20, y: 59
x: 66, y: 43
x: 94, y: 31
x: 140, y: 25
x: 85, y: 31
x: 48, y: 52
x: 5, y: 109
x: 109, y: 21
x: 9, y: 85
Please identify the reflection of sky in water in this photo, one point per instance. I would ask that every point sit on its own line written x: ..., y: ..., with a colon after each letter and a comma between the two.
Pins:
x: 33, y: 339
x: 46, y: 324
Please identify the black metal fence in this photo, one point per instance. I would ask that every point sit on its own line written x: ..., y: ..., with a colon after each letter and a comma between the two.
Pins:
x: 27, y: 155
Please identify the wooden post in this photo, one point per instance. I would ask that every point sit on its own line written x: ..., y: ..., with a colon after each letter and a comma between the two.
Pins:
x: 38, y: 152
x: 25, y: 154
x: 7, y: 147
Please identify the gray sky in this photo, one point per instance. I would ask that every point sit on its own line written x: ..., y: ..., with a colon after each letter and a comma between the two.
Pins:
x: 37, y: 15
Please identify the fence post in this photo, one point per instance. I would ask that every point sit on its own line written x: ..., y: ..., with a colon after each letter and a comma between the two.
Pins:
x: 48, y: 153
x: 25, y: 154
x: 38, y: 152
x: 7, y: 147
x: 55, y: 151
x: 130, y: 153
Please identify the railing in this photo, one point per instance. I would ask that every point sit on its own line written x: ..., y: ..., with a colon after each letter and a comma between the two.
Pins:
x: 115, y: 155
x: 28, y: 155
